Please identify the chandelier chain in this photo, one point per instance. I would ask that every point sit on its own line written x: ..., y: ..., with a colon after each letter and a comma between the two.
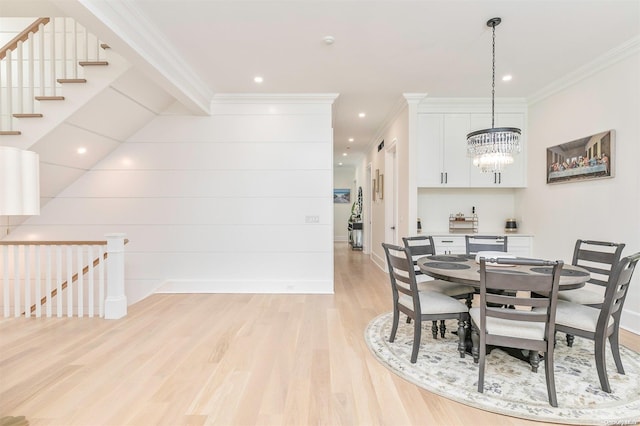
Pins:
x: 493, y: 77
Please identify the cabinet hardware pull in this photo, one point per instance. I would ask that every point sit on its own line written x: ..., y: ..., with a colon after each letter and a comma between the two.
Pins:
x: 446, y: 177
x: 441, y: 181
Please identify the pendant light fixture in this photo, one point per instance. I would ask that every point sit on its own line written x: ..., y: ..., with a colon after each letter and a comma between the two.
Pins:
x: 493, y: 148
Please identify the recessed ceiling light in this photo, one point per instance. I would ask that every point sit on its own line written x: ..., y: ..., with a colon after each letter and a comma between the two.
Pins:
x: 344, y: 154
x: 350, y: 139
x: 329, y: 40
x: 507, y: 77
x: 258, y: 79
x: 362, y: 115
x: 82, y: 150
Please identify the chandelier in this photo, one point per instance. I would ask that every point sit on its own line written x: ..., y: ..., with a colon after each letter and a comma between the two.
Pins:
x: 493, y: 148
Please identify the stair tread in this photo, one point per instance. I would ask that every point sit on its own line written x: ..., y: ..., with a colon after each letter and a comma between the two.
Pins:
x: 10, y: 132
x: 71, y: 80
x: 90, y: 63
x: 29, y: 115
x: 49, y: 98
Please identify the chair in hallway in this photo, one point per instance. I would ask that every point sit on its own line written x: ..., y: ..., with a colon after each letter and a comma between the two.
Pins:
x: 529, y: 326
x: 419, y: 305
x: 476, y: 243
x: 601, y: 323
x: 423, y: 246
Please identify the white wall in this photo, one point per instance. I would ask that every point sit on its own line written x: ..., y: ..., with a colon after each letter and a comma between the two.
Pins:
x: 606, y: 209
x: 213, y: 204
x: 343, y: 178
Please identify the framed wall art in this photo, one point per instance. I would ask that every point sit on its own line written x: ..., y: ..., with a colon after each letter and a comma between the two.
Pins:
x: 590, y: 157
x: 341, y: 196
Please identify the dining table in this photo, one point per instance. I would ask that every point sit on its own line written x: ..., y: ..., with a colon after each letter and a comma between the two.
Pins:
x: 465, y: 269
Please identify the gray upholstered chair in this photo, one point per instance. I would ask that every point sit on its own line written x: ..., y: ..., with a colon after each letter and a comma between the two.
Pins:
x: 529, y: 326
x: 600, y: 324
x: 476, y: 243
x: 419, y: 305
x: 421, y: 246
x: 599, y: 258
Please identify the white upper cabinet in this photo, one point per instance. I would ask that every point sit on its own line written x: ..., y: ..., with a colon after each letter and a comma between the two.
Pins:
x: 442, y: 159
x: 511, y: 176
x: 442, y: 151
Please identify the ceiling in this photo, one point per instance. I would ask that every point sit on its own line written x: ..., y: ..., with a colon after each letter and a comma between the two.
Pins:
x: 383, y: 49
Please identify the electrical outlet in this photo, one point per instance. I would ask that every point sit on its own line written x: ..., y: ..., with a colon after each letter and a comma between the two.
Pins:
x: 312, y: 219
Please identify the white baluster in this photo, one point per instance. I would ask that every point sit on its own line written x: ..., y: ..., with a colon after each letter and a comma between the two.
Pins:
x: 31, y: 98
x: 101, y: 281
x: 69, y: 256
x: 48, y: 289
x: 16, y: 282
x: 116, y: 302
x: 90, y: 298
x: 5, y: 279
x: 27, y: 281
x: 20, y: 72
x: 38, y: 281
x: 41, y: 31
x: 9, y: 65
x: 59, y: 281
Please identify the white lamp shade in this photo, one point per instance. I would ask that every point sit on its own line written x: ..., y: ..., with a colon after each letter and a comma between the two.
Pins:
x: 19, y: 182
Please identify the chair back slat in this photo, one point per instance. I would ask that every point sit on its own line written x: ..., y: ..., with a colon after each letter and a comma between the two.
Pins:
x: 401, y: 273
x: 597, y: 257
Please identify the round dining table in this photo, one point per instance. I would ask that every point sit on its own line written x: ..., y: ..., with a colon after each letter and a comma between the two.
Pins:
x: 463, y: 268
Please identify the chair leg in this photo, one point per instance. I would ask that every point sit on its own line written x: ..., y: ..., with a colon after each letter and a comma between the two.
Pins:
x: 408, y: 319
x: 469, y: 300
x: 475, y: 339
x: 434, y: 329
x: 394, y: 326
x: 461, y: 337
x: 549, y: 374
x: 417, y: 331
x: 443, y: 329
x: 534, y: 360
x: 570, y: 338
x: 483, y: 354
x: 601, y: 365
x: 615, y: 348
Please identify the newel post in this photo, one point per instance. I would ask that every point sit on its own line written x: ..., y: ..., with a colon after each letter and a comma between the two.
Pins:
x: 115, y: 305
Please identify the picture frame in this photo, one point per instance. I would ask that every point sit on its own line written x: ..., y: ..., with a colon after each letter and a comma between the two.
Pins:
x: 341, y: 195
x: 587, y: 158
x: 381, y: 187
x: 373, y: 189
x: 377, y: 181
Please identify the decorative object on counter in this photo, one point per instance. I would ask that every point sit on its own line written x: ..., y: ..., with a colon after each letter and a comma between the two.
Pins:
x: 511, y: 226
x: 493, y: 148
x: 460, y: 223
x: 419, y: 226
x: 515, y: 390
x: 586, y: 158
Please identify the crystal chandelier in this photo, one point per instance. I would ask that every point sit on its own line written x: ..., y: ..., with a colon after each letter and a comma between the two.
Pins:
x: 493, y: 148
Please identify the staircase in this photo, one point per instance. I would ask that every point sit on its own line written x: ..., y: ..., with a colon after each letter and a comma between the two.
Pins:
x: 77, y: 116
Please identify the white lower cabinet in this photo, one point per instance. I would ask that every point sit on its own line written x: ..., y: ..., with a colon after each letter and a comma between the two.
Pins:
x: 519, y: 245
x: 448, y: 244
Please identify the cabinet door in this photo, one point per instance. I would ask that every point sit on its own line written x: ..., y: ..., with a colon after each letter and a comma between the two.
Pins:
x: 456, y: 161
x: 447, y: 244
x: 519, y: 245
x: 513, y: 175
x: 430, y: 150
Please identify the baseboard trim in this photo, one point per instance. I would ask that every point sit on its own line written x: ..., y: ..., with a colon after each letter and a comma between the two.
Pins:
x: 264, y: 287
x: 630, y: 321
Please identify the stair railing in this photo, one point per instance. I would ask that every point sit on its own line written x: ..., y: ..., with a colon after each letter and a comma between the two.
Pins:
x: 35, y: 64
x: 63, y: 278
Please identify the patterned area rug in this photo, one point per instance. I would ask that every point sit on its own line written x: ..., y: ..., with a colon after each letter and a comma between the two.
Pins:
x: 511, y: 388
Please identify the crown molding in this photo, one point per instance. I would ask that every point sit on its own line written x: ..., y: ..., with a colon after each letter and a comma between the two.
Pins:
x: 470, y: 105
x: 394, y: 112
x: 130, y: 25
x: 604, y: 61
x: 289, y: 98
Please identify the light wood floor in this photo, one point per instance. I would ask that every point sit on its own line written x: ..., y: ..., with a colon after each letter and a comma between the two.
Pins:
x: 241, y: 359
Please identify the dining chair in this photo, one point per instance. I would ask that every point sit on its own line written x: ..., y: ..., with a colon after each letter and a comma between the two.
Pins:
x: 419, y: 305
x: 529, y: 326
x: 599, y: 258
x: 421, y: 246
x: 600, y: 324
x: 476, y: 243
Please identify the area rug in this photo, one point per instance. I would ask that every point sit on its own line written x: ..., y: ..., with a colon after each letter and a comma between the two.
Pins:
x: 511, y: 388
